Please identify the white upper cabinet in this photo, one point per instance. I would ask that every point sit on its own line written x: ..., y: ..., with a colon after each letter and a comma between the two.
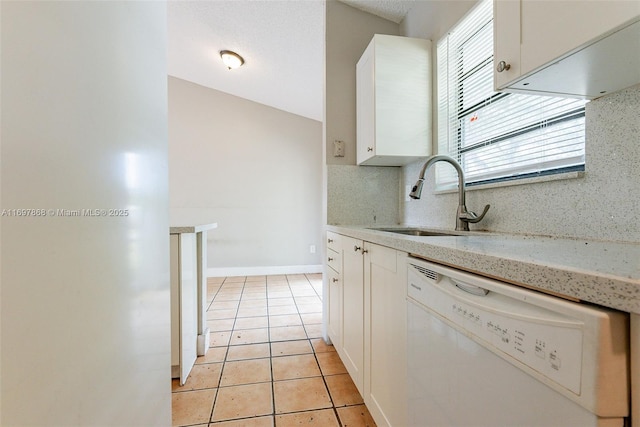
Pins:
x: 393, y: 87
x: 581, y: 49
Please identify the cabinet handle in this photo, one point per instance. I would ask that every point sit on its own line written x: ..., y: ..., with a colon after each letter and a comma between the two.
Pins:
x: 334, y: 280
x: 329, y: 259
x: 369, y: 149
x: 330, y: 240
x: 356, y: 248
x: 503, y: 66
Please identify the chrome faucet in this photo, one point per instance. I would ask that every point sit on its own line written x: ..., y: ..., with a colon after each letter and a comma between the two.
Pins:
x: 463, y: 217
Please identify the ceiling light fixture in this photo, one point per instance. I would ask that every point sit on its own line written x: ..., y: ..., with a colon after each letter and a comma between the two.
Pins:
x: 231, y: 59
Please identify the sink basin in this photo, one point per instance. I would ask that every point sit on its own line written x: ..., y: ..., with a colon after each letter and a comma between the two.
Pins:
x: 416, y: 232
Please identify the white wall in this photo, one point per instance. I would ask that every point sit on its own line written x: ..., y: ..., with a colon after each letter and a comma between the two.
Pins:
x: 85, y: 300
x: 254, y: 170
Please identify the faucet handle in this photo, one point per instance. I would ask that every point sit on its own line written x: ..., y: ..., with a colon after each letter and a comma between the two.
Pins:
x: 472, y: 217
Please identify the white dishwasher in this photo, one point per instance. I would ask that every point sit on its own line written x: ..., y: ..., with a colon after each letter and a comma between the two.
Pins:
x: 485, y: 353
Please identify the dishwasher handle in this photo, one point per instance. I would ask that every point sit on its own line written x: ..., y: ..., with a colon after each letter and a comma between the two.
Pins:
x: 470, y: 289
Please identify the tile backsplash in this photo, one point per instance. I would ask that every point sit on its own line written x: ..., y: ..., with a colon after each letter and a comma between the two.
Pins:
x: 603, y: 204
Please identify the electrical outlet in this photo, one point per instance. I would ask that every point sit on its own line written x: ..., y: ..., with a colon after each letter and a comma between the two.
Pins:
x: 338, y: 148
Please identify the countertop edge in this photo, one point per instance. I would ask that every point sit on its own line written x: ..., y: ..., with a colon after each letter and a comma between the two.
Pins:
x: 608, y: 289
x: 192, y: 228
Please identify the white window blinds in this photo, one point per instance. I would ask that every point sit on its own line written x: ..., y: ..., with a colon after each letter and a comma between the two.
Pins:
x: 493, y: 135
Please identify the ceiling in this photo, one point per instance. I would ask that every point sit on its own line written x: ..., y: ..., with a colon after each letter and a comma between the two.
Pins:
x: 282, y: 42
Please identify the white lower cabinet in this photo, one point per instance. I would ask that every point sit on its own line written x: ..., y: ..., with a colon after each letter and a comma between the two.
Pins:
x: 367, y: 322
x: 334, y: 286
x: 352, y: 352
x: 385, y: 385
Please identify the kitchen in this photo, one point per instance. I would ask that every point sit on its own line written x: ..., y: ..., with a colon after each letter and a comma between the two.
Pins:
x: 603, y: 205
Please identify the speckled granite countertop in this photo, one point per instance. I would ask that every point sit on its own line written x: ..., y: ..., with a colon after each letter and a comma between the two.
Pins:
x: 604, y: 273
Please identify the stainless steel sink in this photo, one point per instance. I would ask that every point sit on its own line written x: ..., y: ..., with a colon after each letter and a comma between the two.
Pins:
x: 417, y: 232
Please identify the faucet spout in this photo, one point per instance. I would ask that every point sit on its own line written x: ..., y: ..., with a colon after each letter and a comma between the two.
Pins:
x: 463, y: 217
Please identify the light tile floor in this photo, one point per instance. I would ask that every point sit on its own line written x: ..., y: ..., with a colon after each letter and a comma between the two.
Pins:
x: 268, y: 365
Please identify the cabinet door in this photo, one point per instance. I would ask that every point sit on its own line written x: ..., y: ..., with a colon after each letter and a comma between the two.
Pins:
x: 393, y: 101
x: 550, y: 29
x: 506, y: 41
x: 353, y: 310
x: 531, y: 34
x: 365, y: 102
x: 385, y: 335
x: 184, y: 304
x: 334, y: 323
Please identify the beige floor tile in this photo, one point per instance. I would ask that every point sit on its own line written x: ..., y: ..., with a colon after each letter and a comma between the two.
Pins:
x: 288, y: 348
x: 249, y: 336
x: 277, y: 278
x: 254, y: 294
x: 234, y: 279
x: 310, y: 308
x: 252, y: 312
x: 306, y: 291
x: 283, y: 309
x: 214, y: 355
x: 330, y: 363
x: 279, y: 294
x: 281, y: 284
x: 252, y: 322
x: 217, y: 339
x: 292, y: 367
x: 320, y: 346
x: 253, y: 302
x: 254, y: 279
x: 274, y: 302
x: 307, y: 300
x: 222, y: 296
x: 224, y: 305
x: 355, y: 416
x: 300, y: 395
x: 313, y: 331
x: 287, y: 333
x: 249, y: 351
x: 322, y: 418
x: 243, y: 401
x: 342, y: 390
x: 267, y: 421
x: 255, y: 283
x: 221, y: 314
x: 285, y: 320
x: 215, y: 280
x: 221, y: 324
x: 311, y: 318
x: 201, y: 377
x: 246, y: 372
x: 191, y: 407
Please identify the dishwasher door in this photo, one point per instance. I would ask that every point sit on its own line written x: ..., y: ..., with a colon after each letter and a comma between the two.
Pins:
x: 484, y: 353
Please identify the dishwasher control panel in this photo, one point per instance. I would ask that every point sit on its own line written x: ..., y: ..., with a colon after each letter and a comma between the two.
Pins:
x: 549, y: 343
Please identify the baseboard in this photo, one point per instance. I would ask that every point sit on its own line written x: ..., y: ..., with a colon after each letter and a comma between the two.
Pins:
x: 263, y: 271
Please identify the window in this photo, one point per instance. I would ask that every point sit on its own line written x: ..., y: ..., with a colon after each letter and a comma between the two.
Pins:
x: 498, y: 136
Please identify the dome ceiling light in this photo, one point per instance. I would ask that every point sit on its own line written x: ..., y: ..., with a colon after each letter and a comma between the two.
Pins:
x: 231, y: 59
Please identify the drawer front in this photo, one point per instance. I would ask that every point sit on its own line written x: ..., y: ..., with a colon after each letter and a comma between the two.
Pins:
x: 334, y: 241
x: 334, y: 260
